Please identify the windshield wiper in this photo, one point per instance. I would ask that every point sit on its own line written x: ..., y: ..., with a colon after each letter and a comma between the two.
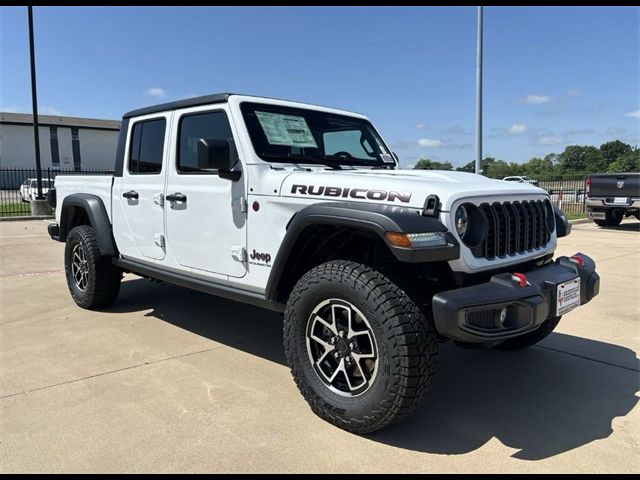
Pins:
x: 303, y: 158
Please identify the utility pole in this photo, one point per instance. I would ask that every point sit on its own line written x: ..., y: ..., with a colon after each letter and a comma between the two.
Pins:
x: 479, y: 96
x: 34, y: 100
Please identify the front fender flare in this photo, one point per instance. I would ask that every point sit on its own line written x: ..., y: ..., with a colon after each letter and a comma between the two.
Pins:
x: 376, y: 219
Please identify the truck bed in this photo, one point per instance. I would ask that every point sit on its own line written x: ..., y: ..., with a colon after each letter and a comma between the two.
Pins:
x: 99, y: 185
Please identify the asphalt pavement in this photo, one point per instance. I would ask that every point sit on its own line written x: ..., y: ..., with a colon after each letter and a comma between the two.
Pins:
x: 171, y: 380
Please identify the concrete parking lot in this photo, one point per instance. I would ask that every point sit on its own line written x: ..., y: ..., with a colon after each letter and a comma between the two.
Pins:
x: 170, y: 380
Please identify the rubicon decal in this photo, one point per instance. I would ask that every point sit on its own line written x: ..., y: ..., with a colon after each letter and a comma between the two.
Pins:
x: 357, y: 193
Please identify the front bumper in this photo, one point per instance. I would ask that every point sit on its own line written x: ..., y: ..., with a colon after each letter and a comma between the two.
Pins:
x: 471, y: 314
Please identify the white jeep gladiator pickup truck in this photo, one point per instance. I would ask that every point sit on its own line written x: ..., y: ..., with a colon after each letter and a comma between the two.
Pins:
x: 302, y: 209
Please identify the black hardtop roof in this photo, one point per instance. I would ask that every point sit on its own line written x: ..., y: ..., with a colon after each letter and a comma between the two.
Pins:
x: 187, y: 102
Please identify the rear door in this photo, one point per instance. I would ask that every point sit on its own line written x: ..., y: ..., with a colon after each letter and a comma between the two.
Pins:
x: 206, y: 228
x: 141, y: 189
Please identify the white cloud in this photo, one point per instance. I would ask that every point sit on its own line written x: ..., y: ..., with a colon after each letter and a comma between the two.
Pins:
x: 156, y: 92
x: 534, y: 99
x: 420, y: 126
x: 548, y: 140
x: 408, y: 167
x: 49, y: 110
x: 573, y: 93
x: 429, y: 142
x: 517, y: 129
x: 635, y: 114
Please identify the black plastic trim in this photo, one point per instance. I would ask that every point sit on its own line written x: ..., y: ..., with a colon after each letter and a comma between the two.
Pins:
x: 534, y: 302
x: 54, y: 231
x: 122, y: 140
x: 96, y: 213
x: 52, y: 197
x: 198, y: 284
x: 563, y: 227
x: 187, y: 102
x: 376, y: 219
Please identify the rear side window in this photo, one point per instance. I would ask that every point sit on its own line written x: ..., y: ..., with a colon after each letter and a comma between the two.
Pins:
x: 210, y: 125
x: 147, y: 146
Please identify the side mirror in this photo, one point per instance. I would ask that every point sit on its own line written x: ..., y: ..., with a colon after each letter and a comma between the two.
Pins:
x: 216, y: 155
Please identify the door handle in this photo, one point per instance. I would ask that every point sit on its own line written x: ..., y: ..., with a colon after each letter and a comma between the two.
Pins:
x: 131, y: 194
x: 176, y: 197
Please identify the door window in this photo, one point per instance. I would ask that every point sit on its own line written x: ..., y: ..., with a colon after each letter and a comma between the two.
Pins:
x: 210, y: 125
x: 147, y: 147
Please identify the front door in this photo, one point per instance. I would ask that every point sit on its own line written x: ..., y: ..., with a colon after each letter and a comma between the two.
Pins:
x: 206, y: 227
x: 140, y: 192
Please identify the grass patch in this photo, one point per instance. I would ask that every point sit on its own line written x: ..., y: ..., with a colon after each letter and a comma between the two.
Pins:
x: 575, y: 216
x: 15, y: 209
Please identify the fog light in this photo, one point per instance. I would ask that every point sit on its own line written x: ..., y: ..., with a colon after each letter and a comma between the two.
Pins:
x: 502, y: 316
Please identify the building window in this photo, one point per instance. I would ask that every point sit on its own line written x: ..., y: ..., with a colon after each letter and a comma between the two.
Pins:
x: 55, y: 151
x: 75, y: 147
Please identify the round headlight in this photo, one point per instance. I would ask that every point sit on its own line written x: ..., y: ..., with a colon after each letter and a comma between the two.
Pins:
x: 462, y: 220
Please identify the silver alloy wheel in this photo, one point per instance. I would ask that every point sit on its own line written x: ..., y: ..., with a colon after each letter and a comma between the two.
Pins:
x: 79, y: 267
x: 342, y: 347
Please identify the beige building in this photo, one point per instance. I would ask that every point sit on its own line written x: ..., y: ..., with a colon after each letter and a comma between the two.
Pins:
x: 66, y: 143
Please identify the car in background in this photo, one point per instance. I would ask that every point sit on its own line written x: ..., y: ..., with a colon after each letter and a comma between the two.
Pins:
x: 29, y: 188
x: 520, y: 179
x: 612, y: 196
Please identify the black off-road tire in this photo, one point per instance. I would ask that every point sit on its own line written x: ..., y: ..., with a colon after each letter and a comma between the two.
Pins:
x: 102, y: 277
x: 405, y: 337
x: 612, y: 218
x: 528, y: 339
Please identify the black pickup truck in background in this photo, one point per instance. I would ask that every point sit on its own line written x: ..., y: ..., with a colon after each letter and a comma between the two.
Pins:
x: 613, y: 196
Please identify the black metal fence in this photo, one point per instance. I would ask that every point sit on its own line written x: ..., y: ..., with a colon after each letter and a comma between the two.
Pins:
x: 17, y: 187
x: 568, y: 195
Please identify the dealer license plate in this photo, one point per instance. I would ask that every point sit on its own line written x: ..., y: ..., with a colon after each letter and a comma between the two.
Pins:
x: 568, y: 296
x: 621, y: 200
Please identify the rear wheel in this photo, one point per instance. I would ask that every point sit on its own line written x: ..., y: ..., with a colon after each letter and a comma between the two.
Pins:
x: 612, y: 219
x: 360, y: 350
x: 528, y: 339
x: 92, y: 279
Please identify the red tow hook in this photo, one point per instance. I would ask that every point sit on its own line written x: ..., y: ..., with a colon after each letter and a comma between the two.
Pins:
x: 521, y: 278
x: 578, y: 259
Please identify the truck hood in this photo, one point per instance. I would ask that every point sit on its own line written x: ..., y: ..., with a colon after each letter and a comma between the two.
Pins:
x: 408, y: 188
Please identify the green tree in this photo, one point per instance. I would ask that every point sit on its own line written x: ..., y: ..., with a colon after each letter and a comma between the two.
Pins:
x: 428, y: 164
x: 498, y: 169
x: 471, y: 166
x: 577, y: 159
x: 613, y: 150
x: 627, y: 162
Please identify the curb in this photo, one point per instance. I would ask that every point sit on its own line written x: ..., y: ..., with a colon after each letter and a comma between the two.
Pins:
x: 578, y: 221
x: 26, y: 217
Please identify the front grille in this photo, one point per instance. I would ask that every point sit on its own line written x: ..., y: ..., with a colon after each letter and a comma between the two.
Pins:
x: 514, y: 228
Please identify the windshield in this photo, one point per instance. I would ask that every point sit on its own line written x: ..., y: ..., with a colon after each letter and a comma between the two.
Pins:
x: 284, y: 134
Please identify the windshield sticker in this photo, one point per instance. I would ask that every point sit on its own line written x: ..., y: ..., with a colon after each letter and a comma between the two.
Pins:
x: 289, y: 130
x: 386, y: 158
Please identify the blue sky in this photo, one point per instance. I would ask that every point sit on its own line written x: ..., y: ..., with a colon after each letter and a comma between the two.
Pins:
x: 553, y: 76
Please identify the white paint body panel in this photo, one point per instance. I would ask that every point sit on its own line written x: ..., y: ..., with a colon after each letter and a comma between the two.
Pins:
x: 200, y: 237
x: 202, y: 232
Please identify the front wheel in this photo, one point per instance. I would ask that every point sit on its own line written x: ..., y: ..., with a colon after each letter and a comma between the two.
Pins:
x: 92, y: 279
x: 361, y: 352
x: 531, y: 338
